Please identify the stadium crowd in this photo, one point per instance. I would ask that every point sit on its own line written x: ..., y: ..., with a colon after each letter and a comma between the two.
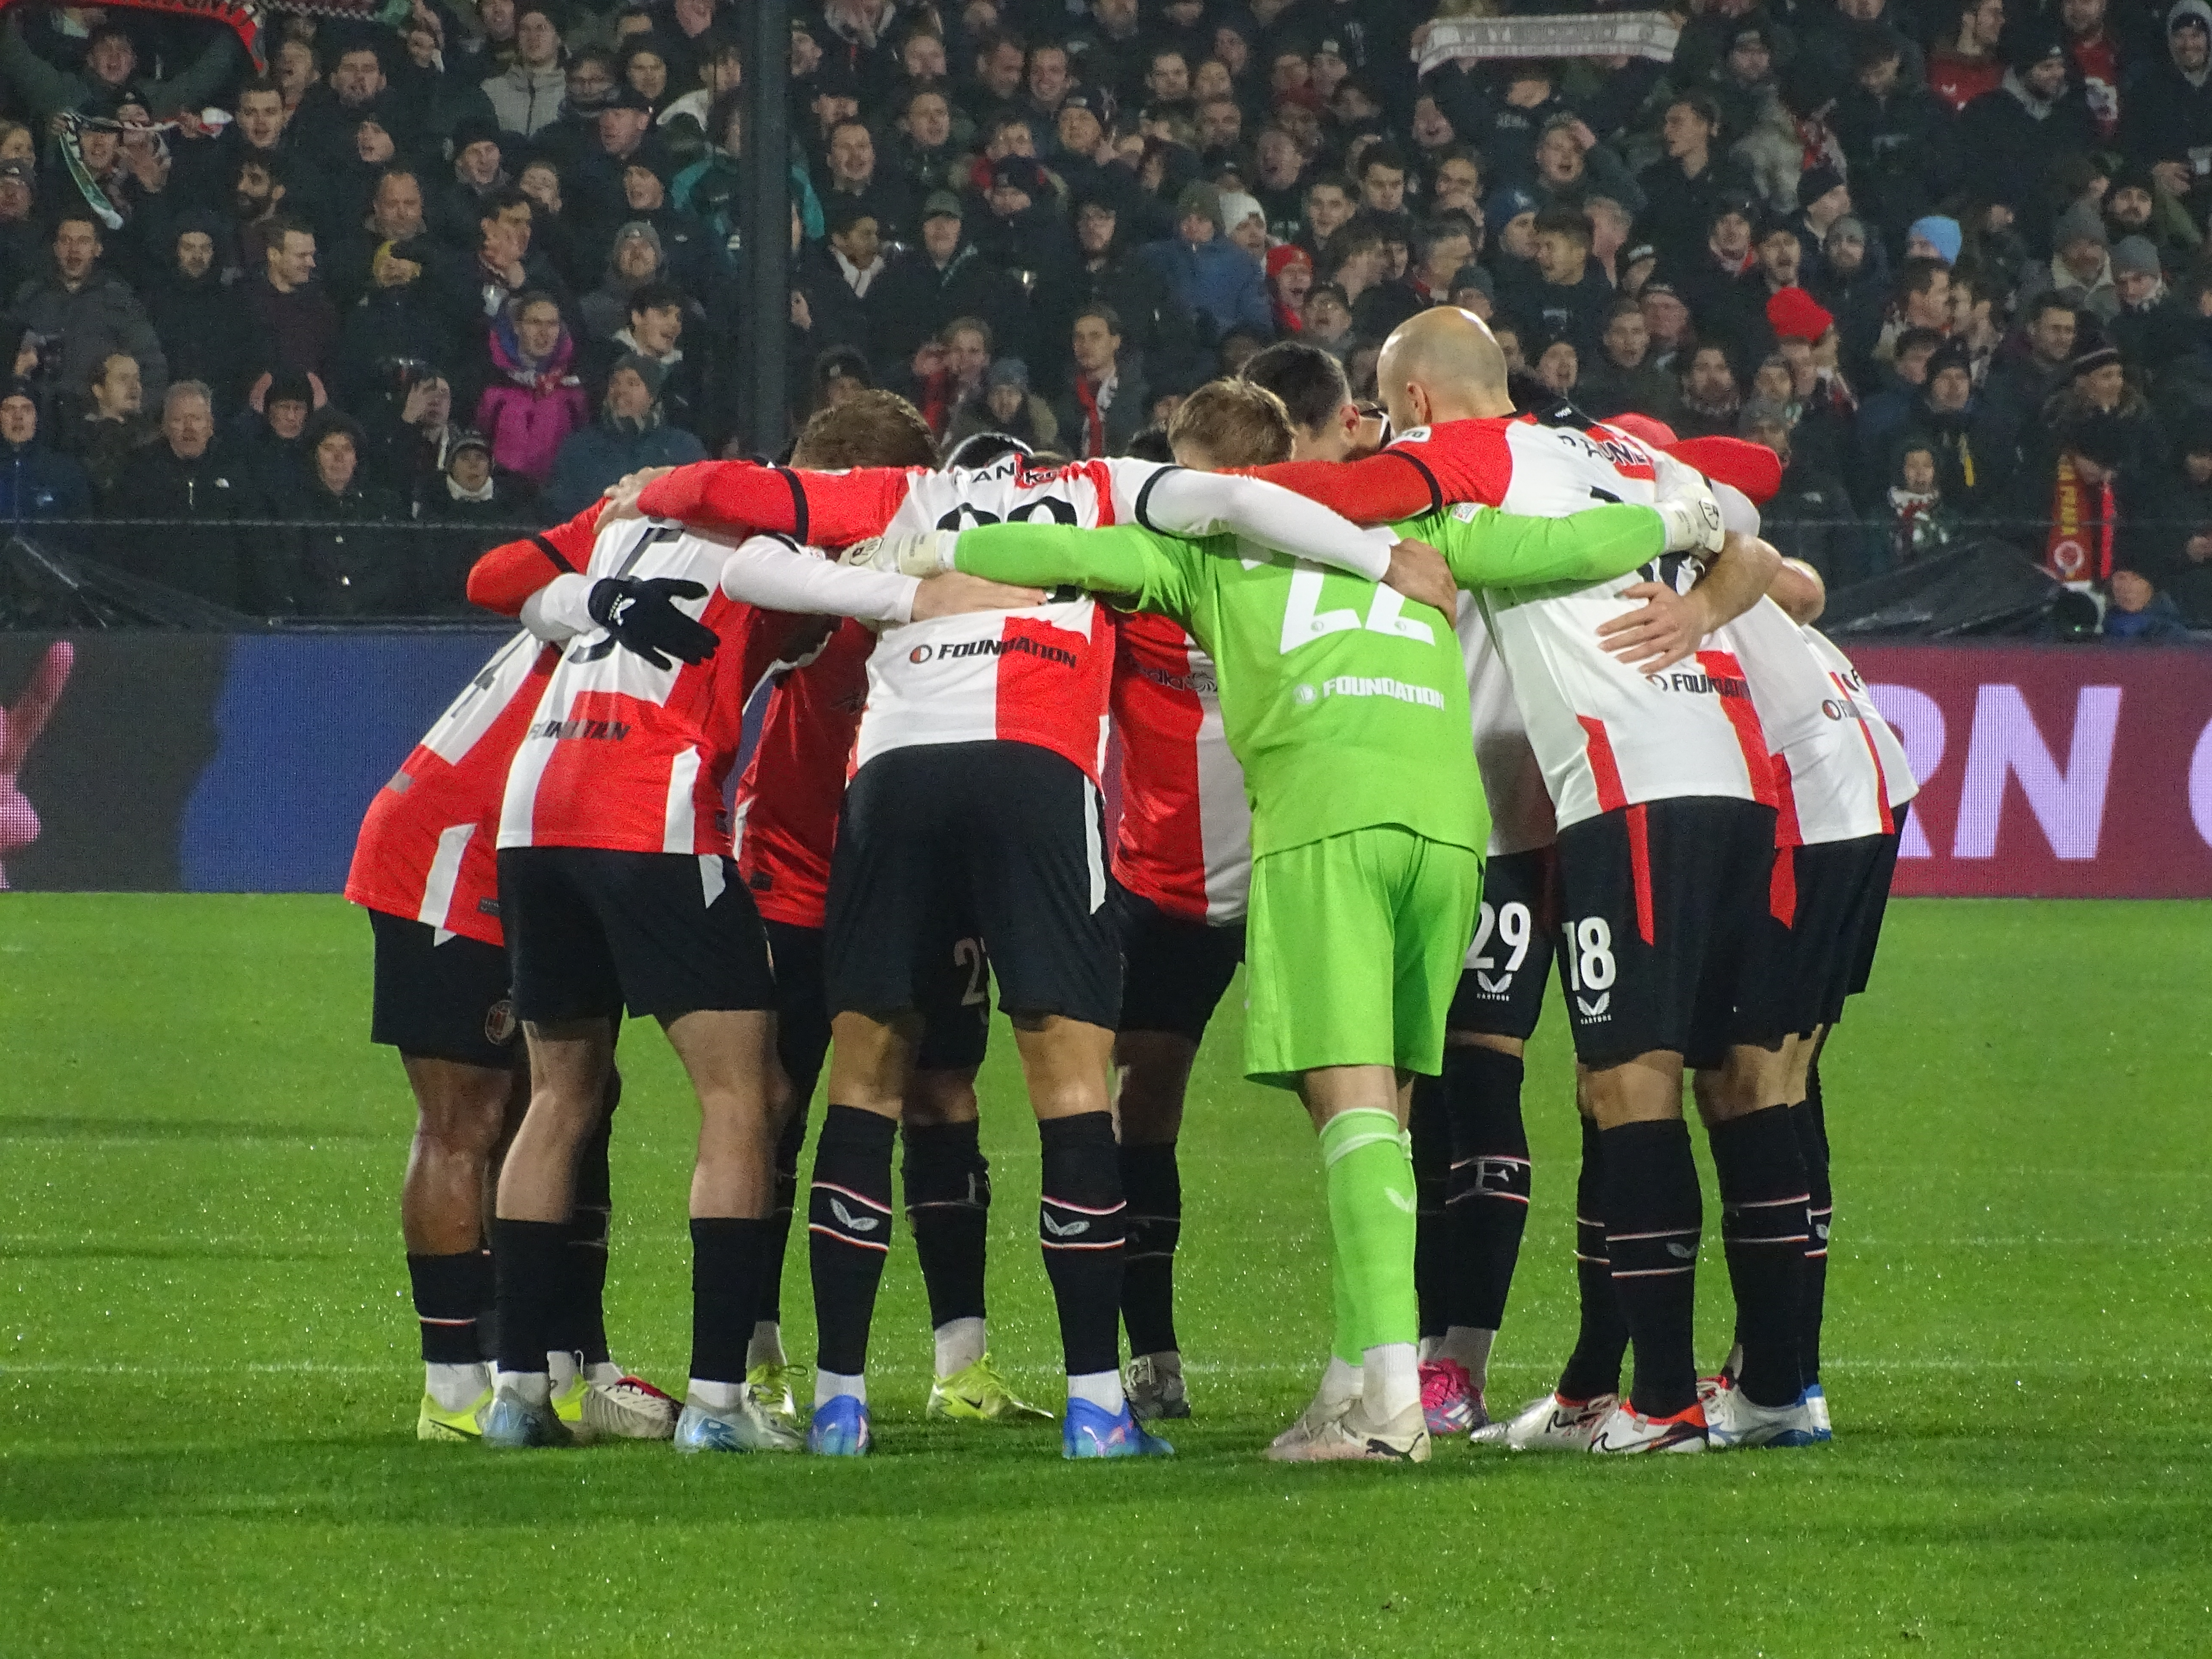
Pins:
x: 1946, y: 260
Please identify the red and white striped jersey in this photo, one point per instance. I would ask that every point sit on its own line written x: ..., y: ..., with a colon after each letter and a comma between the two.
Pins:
x: 793, y: 787
x: 426, y: 847
x: 1041, y: 675
x: 1520, y: 817
x: 1827, y: 774
x: 624, y: 755
x: 1607, y: 736
x: 1886, y: 754
x: 1185, y: 838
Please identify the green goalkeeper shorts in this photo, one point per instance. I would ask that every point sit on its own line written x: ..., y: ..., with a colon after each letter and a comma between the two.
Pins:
x: 1352, y: 949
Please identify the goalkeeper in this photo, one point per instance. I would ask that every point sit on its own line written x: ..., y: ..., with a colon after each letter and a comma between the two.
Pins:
x: 1347, y: 708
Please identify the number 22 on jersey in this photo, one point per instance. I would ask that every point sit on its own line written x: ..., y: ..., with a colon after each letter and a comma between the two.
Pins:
x: 1304, y: 622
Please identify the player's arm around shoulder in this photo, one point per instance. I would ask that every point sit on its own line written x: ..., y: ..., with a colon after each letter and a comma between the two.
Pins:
x: 1151, y: 571
x: 1487, y: 548
x: 1669, y: 626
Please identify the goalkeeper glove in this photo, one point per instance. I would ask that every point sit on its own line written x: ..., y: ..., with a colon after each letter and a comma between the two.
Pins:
x: 914, y: 553
x: 641, y: 615
x: 1685, y: 503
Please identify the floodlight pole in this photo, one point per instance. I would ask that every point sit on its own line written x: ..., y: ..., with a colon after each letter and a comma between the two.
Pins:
x: 764, y: 170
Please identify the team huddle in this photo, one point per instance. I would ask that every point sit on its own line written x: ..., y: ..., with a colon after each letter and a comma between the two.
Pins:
x: 1395, y: 727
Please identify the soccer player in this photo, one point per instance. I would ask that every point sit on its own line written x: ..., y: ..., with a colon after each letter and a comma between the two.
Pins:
x: 786, y: 810
x: 618, y: 891
x: 423, y: 868
x: 1843, y: 782
x: 1349, y: 714
x: 976, y: 773
x: 1663, y: 792
x: 1182, y: 869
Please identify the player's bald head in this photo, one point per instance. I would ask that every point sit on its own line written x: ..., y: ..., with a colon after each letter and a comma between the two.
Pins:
x: 1442, y: 365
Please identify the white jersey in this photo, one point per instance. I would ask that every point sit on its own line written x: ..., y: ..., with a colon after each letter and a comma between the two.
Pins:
x: 1039, y: 675
x: 1607, y: 736
x: 1520, y: 817
x: 1892, y: 772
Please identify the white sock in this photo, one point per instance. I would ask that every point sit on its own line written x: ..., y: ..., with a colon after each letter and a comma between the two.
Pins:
x: 1393, y: 1380
x: 1102, y: 1388
x: 960, y: 1344
x: 561, y: 1369
x: 1429, y: 1347
x: 1168, y: 1361
x: 1470, y: 1346
x: 455, y: 1388
x: 604, y: 1372
x: 536, y: 1387
x: 712, y: 1396
x: 766, y: 1347
x: 1340, y: 1382
x: 828, y: 1385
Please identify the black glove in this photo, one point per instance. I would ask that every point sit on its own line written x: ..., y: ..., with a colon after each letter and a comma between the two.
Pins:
x: 643, y: 617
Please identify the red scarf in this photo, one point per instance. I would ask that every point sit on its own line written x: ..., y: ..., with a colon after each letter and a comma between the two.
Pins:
x: 2079, y: 548
x: 1094, y: 423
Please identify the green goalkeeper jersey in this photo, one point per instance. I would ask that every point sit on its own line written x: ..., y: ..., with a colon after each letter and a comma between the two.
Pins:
x: 1346, y: 704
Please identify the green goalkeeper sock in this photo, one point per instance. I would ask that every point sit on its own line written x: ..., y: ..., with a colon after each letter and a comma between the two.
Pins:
x: 1371, y: 1212
x: 1347, y: 1346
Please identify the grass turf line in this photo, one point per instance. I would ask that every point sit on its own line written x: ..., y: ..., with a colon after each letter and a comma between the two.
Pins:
x: 207, y: 1374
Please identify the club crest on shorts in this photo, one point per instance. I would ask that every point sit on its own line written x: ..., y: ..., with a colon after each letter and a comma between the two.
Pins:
x: 499, y: 1025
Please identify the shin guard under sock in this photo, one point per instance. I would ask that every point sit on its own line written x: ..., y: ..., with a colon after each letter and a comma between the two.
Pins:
x: 1812, y: 1290
x: 1653, y: 1215
x: 1486, y: 1193
x: 948, y: 1206
x: 446, y: 1306
x: 1594, y: 1368
x: 532, y: 1258
x: 782, y: 1201
x: 725, y: 1273
x: 1151, y: 1184
x: 1080, y: 1218
x: 1371, y: 1214
x: 1764, y: 1231
x: 1435, y: 1271
x: 848, y: 1226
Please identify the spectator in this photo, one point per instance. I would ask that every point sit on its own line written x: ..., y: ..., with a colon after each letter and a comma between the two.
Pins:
x: 1918, y: 523
x: 1712, y: 394
x: 1723, y: 286
x: 2035, y: 119
x: 1106, y: 403
x: 2169, y: 118
x: 2080, y: 271
x: 1964, y: 61
x: 1886, y: 413
x: 1206, y: 274
x: 1328, y: 321
x: 35, y: 481
x: 1620, y: 376
x: 508, y: 264
x: 296, y: 326
x: 720, y: 71
x: 654, y: 332
x: 204, y: 329
x: 1672, y: 336
x: 1563, y: 296
x: 526, y: 95
x: 850, y: 172
x: 110, y: 71
x: 344, y: 566
x: 1683, y: 189
x: 114, y: 424
x: 1895, y: 137
x: 1023, y: 231
x: 1290, y: 279
x: 81, y: 315
x: 1810, y: 516
x: 629, y: 435
x: 472, y: 490
x: 22, y: 249
x: 2139, y: 614
x: 200, y: 487
x: 924, y: 287
x: 538, y: 402
x: 625, y: 136
x: 2149, y: 327
x: 2171, y: 541
x: 1853, y: 283
x: 634, y: 262
x: 1006, y: 404
x: 398, y: 320
x: 273, y: 439
x: 2031, y: 365
x: 1969, y: 460
x: 1570, y: 171
x: 331, y: 112
x: 2077, y: 484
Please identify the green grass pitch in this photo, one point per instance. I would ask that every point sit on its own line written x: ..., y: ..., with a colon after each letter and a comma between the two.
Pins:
x: 208, y: 1372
